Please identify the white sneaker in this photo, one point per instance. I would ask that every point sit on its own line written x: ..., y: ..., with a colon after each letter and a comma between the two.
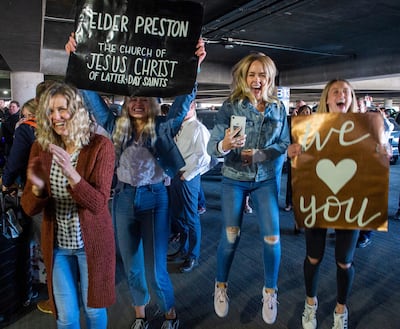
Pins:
x: 221, y: 301
x: 340, y: 320
x: 140, y: 324
x: 270, y: 307
x: 170, y: 324
x: 309, y: 318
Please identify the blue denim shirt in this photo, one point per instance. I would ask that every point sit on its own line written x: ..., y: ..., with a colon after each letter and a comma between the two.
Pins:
x: 268, y: 133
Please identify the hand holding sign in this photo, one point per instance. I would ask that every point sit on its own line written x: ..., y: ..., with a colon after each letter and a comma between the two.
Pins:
x: 139, y: 48
x: 339, y: 174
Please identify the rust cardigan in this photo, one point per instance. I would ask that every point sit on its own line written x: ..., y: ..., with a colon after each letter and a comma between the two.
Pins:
x: 96, y: 167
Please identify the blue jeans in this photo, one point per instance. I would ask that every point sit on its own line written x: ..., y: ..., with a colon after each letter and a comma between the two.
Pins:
x: 264, y: 196
x: 70, y: 266
x: 202, y: 197
x: 185, y: 215
x: 142, y: 225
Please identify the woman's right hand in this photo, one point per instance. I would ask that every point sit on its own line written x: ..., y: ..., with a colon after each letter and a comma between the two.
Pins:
x: 35, y: 174
x: 70, y: 46
x: 232, y: 140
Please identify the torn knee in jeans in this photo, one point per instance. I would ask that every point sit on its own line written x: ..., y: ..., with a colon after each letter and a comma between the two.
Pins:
x: 344, y: 266
x: 271, y: 239
x: 232, y: 233
x: 313, y: 261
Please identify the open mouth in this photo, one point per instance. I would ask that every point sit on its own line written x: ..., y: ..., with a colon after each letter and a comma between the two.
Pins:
x: 341, y: 106
x: 256, y: 90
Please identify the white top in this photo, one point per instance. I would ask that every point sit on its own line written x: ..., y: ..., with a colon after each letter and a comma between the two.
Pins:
x: 192, y: 140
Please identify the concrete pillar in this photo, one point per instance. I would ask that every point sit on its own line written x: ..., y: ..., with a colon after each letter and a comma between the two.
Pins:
x: 388, y: 103
x: 23, y: 85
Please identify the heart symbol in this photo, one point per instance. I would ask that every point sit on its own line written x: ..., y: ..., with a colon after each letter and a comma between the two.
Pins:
x: 335, y: 177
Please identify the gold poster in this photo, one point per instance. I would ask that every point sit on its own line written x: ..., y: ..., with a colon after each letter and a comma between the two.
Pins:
x: 341, y: 179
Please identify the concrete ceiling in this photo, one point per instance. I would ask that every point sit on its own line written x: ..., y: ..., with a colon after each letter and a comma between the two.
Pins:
x: 311, y: 42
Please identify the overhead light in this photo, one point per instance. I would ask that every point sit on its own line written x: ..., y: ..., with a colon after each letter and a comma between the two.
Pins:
x: 229, y: 46
x: 5, y: 92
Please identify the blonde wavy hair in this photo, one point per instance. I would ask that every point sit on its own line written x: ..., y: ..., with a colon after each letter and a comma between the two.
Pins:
x: 125, y: 125
x: 239, y: 87
x: 79, y: 125
x: 323, y: 107
x: 31, y: 105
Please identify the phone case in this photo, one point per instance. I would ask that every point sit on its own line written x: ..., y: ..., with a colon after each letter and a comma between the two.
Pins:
x: 238, y: 121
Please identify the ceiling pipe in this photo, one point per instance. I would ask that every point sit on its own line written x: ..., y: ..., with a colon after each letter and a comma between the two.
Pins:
x: 248, y: 13
x: 58, y: 19
x: 250, y: 43
x: 235, y: 20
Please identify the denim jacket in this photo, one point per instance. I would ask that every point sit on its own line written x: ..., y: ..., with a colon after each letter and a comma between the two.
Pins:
x: 165, y: 150
x: 268, y: 133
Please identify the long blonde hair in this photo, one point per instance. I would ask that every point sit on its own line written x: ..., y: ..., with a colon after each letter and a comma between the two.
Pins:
x: 125, y: 125
x: 31, y: 105
x: 79, y: 125
x: 239, y: 87
x: 323, y: 107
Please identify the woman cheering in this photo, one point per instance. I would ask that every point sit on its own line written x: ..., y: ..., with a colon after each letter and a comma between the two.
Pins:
x: 69, y: 178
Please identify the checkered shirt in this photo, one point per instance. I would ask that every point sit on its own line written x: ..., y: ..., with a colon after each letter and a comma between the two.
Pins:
x: 68, y: 230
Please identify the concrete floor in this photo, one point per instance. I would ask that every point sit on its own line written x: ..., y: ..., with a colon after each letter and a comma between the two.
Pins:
x: 374, y: 302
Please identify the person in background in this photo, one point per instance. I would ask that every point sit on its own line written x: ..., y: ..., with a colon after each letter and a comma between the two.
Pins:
x: 191, y: 140
x: 14, y: 174
x: 249, y: 167
x: 12, y: 180
x: 145, y: 154
x: 302, y: 110
x: 8, y: 126
x: 365, y: 236
x: 397, y: 214
x: 201, y: 209
x: 165, y: 109
x: 299, y: 103
x: 3, y: 110
x: 288, y: 199
x: 69, y: 178
x: 3, y: 115
x: 107, y: 100
x: 17, y: 161
x: 337, y: 97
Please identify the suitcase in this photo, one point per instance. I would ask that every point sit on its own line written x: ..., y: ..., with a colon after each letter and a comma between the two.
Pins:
x: 15, y: 267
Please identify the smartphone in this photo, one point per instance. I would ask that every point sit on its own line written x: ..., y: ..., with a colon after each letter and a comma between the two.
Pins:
x: 236, y: 122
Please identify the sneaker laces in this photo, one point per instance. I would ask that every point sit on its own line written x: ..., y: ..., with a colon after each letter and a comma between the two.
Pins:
x: 309, y: 313
x: 221, y: 295
x: 139, y: 324
x: 170, y: 324
x: 271, y: 300
x: 340, y: 321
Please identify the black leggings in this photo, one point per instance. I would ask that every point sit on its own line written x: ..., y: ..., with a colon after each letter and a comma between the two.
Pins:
x: 346, y: 241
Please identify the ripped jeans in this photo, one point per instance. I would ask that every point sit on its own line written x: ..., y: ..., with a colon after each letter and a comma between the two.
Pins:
x: 264, y: 197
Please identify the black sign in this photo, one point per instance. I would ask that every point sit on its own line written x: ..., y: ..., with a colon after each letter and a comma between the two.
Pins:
x: 141, y: 48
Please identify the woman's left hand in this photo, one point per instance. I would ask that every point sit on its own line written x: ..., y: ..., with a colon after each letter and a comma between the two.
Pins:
x: 201, y: 50
x: 247, y: 157
x: 294, y: 150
